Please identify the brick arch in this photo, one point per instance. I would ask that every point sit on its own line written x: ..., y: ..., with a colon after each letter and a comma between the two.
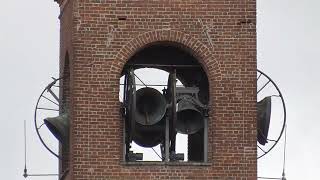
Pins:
x: 185, y: 41
x: 196, y: 48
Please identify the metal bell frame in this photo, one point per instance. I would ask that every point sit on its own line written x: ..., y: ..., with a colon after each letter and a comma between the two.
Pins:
x: 259, y: 89
x: 56, y: 101
x: 171, y: 94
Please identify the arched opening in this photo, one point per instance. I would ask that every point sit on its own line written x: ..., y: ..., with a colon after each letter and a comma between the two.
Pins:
x: 65, y: 84
x: 64, y: 109
x: 164, y: 95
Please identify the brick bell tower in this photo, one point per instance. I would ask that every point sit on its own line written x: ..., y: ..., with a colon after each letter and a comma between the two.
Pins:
x: 208, y: 46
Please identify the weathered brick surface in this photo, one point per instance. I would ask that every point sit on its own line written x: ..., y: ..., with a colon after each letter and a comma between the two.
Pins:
x: 99, y: 44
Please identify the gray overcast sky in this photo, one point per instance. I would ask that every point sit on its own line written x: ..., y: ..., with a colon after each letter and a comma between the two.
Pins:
x: 288, y: 51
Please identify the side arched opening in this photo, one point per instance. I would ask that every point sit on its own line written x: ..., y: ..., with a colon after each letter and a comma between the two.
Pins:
x: 65, y: 84
x: 64, y: 109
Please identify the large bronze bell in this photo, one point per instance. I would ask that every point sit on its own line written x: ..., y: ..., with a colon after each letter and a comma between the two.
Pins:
x: 150, y: 110
x: 59, y: 127
x: 189, y: 117
x: 263, y: 119
x: 150, y: 106
x: 149, y: 136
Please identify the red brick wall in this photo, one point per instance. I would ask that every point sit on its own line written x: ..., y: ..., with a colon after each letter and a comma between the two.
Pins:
x: 99, y: 44
x: 66, y: 71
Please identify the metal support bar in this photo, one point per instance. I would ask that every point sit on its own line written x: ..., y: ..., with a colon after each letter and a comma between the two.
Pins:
x: 53, y: 94
x: 125, y: 128
x: 263, y: 86
x: 174, y: 111
x: 50, y: 100
x: 43, y: 175
x: 140, y: 80
x: 261, y: 149
x: 124, y: 150
x: 156, y: 153
x: 49, y: 109
x: 259, y: 76
x: 269, y: 178
x: 167, y: 145
x: 205, y: 140
x: 132, y: 92
x: 162, y: 85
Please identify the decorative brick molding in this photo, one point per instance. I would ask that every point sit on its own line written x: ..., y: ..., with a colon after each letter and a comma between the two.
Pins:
x: 185, y: 41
